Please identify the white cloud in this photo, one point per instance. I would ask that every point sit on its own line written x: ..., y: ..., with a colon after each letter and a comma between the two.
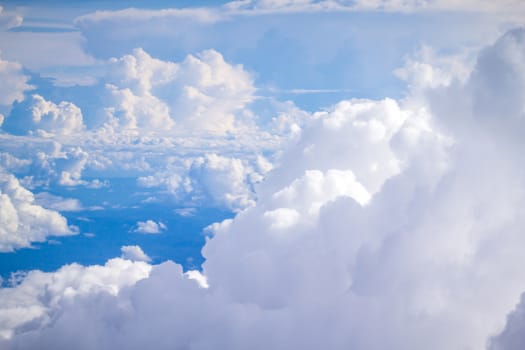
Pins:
x: 211, y: 180
x: 46, y: 118
x: 149, y: 227
x: 198, y: 277
x: 202, y: 93
x: 13, y: 83
x: 224, y: 180
x: 71, y: 165
x: 22, y: 221
x: 134, y: 252
x: 40, y: 295
x: 389, y: 264
x: 45, y: 161
x: 373, y: 139
x: 314, y: 189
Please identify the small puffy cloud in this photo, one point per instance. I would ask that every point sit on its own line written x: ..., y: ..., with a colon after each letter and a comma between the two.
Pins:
x: 13, y: 83
x: 22, y: 220
x: 45, y: 118
x: 149, y: 227
x: 134, y: 252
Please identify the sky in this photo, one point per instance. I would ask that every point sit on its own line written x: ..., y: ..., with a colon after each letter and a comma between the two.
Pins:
x: 262, y: 174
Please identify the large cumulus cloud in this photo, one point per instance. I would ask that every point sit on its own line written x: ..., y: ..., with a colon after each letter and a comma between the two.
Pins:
x: 202, y: 93
x: 389, y: 224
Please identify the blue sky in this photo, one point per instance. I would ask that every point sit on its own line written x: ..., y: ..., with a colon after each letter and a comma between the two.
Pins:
x: 262, y: 173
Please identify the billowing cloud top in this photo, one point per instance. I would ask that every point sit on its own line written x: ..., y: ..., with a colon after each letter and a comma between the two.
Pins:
x: 202, y: 92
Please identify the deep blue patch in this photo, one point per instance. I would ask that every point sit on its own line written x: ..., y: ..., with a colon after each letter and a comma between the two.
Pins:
x: 103, y: 232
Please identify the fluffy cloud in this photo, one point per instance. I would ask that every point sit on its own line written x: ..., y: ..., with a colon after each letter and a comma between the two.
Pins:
x: 22, y: 220
x: 150, y: 227
x: 134, y: 252
x: 13, y: 83
x: 64, y: 165
x: 224, y: 180
x: 40, y: 295
x: 203, y: 93
x: 386, y: 225
x: 212, y: 180
x: 45, y: 118
x: 373, y: 139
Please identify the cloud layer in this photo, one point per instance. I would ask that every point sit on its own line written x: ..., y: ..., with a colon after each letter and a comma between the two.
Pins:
x: 161, y: 121
x: 387, y: 224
